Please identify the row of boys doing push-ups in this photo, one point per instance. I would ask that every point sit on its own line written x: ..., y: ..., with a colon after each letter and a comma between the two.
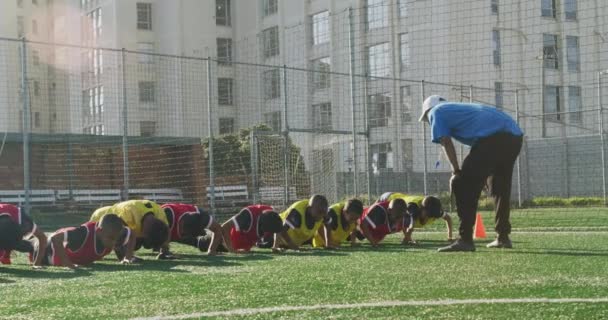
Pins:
x: 128, y: 226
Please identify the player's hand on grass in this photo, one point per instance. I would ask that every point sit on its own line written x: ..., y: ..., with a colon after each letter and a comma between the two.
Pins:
x: 409, y: 242
x: 277, y: 250
x: 355, y: 244
x: 126, y: 261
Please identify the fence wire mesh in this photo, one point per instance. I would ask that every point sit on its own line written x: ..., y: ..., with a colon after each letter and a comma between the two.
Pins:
x: 324, y: 100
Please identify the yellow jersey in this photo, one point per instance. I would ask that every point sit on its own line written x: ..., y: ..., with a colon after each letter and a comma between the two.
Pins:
x: 132, y: 213
x: 417, y: 200
x: 300, y: 234
x: 338, y: 235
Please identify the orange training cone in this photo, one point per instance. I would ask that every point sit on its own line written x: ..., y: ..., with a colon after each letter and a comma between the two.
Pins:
x: 480, y: 230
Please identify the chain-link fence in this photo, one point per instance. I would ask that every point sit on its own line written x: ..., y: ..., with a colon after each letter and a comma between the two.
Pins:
x: 329, y: 110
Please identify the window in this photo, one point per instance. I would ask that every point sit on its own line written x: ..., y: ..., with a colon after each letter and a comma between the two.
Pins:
x: 379, y: 60
x: 144, y: 16
x: 494, y: 6
x: 573, y: 53
x: 550, y: 51
x: 552, y: 103
x: 146, y: 91
x: 95, y: 17
x: 34, y: 26
x: 35, y: 57
x: 321, y: 115
x: 404, y: 50
x: 320, y: 28
x: 403, y: 8
x: 97, y: 61
x: 382, y: 156
x: 407, y: 152
x: 498, y: 94
x: 147, y: 128
x: 570, y: 9
x: 496, y: 47
x: 36, y: 88
x: 36, y: 119
x: 270, y: 42
x: 145, y: 49
x: 19, y: 3
x: 377, y: 14
x: 272, y: 84
x: 269, y: 7
x: 379, y: 109
x: 273, y: 120
x: 20, y: 26
x: 225, y: 91
x: 321, y: 75
x: 224, y: 50
x: 574, y: 104
x: 222, y: 13
x: 547, y: 8
x: 100, y: 130
x: 406, y: 103
x: 226, y: 125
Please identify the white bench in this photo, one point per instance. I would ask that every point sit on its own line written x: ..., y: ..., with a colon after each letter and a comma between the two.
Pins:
x: 158, y: 195
x: 90, y: 196
x: 230, y: 196
x: 18, y: 196
x: 276, y: 194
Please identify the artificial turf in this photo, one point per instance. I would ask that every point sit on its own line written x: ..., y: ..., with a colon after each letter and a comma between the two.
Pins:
x: 571, y: 264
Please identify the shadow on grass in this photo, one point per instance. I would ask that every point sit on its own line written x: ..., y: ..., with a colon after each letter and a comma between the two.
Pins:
x: 254, y: 256
x: 166, y: 265
x: 56, y: 273
x: 4, y: 280
x: 559, y: 252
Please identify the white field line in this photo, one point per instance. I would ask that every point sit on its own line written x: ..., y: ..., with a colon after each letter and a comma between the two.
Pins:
x: 381, y: 304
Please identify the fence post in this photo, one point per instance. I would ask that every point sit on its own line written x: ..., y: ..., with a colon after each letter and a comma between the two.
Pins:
x: 351, y: 47
x: 367, y: 143
x: 254, y: 166
x: 286, y: 137
x: 125, y: 129
x: 602, y: 137
x: 210, y: 135
x: 424, y: 165
x: 26, y: 127
x: 518, y: 164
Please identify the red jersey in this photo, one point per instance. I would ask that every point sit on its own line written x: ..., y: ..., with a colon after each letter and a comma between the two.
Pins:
x: 88, y: 251
x: 381, y: 229
x: 245, y: 239
x: 175, y: 211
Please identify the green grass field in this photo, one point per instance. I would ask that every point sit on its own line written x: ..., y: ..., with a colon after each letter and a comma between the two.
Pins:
x: 548, y: 261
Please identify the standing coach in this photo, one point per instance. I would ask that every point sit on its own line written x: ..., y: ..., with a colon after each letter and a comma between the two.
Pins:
x: 495, y: 140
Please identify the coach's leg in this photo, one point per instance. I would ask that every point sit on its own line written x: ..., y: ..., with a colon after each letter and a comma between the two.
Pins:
x: 500, y: 185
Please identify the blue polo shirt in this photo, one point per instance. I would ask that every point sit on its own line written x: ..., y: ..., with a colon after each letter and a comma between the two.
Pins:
x: 469, y: 122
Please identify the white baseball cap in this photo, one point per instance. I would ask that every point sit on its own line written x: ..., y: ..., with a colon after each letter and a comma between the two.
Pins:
x: 429, y: 104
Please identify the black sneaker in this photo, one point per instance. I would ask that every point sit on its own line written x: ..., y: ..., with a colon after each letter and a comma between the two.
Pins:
x: 459, y: 246
x: 500, y: 243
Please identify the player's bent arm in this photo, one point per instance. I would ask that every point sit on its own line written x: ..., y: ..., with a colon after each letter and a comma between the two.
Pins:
x: 448, y: 222
x: 216, y: 229
x: 353, y: 238
x: 57, y: 241
x: 326, y: 234
x: 226, y: 227
x: 285, y: 236
x: 367, y: 234
x: 42, y: 242
x: 129, y: 252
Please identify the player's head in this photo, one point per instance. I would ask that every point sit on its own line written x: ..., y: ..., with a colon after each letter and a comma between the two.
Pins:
x: 431, y: 208
x: 190, y: 225
x: 428, y: 104
x: 109, y: 229
x: 397, y: 208
x: 353, y: 210
x: 155, y: 232
x: 270, y: 221
x: 318, y: 206
x: 10, y: 233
